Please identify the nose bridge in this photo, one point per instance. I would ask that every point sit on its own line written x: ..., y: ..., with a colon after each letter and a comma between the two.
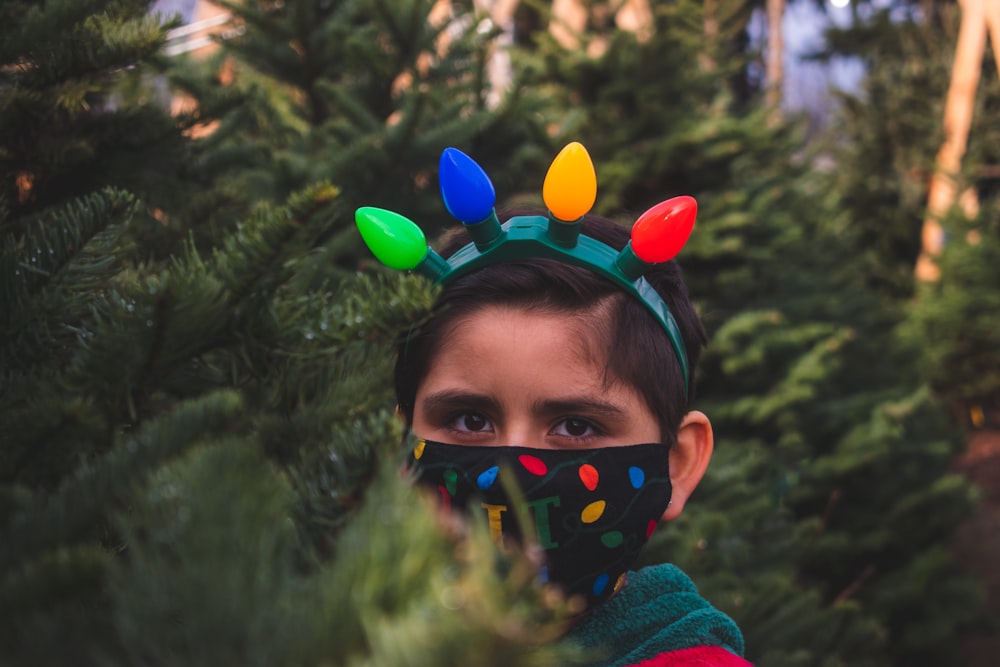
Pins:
x: 521, y: 427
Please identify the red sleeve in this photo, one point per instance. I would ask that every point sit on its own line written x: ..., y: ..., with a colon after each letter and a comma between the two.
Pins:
x: 697, y: 656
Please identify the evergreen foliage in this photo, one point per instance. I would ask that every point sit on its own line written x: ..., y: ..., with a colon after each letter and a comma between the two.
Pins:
x: 889, y: 136
x: 363, y: 94
x: 63, y: 133
x: 655, y: 113
x: 198, y: 459
x: 828, y: 490
x: 188, y: 429
x: 955, y: 319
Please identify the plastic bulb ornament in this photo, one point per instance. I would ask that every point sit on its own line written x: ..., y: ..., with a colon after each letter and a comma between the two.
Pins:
x: 569, y: 191
x: 466, y: 189
x: 469, y: 196
x: 657, y: 236
x: 570, y: 187
x: 394, y: 239
x: 660, y: 233
x: 398, y: 242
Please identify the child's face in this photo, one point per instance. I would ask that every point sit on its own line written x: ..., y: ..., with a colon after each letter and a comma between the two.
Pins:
x: 509, y: 376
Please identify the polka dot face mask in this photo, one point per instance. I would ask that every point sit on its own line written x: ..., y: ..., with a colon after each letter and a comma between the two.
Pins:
x: 592, y: 509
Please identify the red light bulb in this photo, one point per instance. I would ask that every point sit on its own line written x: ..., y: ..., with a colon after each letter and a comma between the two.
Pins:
x: 660, y: 233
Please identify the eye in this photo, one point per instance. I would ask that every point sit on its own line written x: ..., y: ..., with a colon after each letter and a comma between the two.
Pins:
x: 574, y: 428
x: 473, y: 422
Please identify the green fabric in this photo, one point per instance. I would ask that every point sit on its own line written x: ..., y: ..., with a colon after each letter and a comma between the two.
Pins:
x: 656, y: 611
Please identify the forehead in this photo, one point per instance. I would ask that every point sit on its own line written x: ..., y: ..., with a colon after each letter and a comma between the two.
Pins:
x: 524, y: 351
x: 527, y: 370
x: 578, y: 337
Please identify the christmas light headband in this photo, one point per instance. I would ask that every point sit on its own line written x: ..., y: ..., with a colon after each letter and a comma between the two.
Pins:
x: 569, y: 192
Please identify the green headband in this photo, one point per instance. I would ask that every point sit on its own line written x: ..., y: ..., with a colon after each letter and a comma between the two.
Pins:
x: 569, y: 192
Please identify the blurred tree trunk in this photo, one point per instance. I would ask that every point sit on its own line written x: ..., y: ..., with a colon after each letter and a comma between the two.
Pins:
x: 775, y: 56
x: 637, y: 17
x: 569, y: 20
x: 711, y: 34
x: 978, y: 16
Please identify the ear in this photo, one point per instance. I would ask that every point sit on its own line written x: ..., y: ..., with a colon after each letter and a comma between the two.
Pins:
x: 689, y: 460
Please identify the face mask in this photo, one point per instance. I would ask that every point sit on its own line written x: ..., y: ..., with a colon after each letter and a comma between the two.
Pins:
x: 592, y: 509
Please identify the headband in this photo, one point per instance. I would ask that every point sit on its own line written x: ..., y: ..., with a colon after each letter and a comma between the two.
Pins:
x: 569, y: 192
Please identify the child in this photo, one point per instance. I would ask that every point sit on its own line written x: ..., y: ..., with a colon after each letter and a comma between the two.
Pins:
x: 563, y: 352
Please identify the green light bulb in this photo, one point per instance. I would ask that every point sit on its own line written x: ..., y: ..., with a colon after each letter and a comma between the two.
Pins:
x: 394, y: 239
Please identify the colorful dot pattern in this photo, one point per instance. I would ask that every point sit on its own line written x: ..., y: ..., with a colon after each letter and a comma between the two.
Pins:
x: 592, y: 509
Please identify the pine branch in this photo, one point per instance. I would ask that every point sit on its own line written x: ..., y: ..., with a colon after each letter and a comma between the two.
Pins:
x: 49, y: 273
x: 69, y: 573
x: 25, y: 25
x: 102, y: 43
x: 148, y: 326
x: 83, y: 503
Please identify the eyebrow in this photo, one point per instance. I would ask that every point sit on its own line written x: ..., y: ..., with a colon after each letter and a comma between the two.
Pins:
x: 449, y: 399
x: 579, y: 405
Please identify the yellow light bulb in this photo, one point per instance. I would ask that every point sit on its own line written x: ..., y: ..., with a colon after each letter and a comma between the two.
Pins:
x: 570, y: 187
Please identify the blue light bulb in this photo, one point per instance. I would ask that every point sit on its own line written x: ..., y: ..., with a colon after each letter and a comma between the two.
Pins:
x: 466, y: 189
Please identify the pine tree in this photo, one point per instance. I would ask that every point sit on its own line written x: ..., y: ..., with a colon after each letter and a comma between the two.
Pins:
x: 62, y: 135
x: 828, y: 494
x: 66, y: 155
x: 198, y: 459
x: 890, y: 132
x: 946, y: 323
x: 362, y: 94
x: 955, y: 319
x: 873, y: 504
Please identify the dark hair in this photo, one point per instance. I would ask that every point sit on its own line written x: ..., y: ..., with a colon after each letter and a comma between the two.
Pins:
x: 637, y: 350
